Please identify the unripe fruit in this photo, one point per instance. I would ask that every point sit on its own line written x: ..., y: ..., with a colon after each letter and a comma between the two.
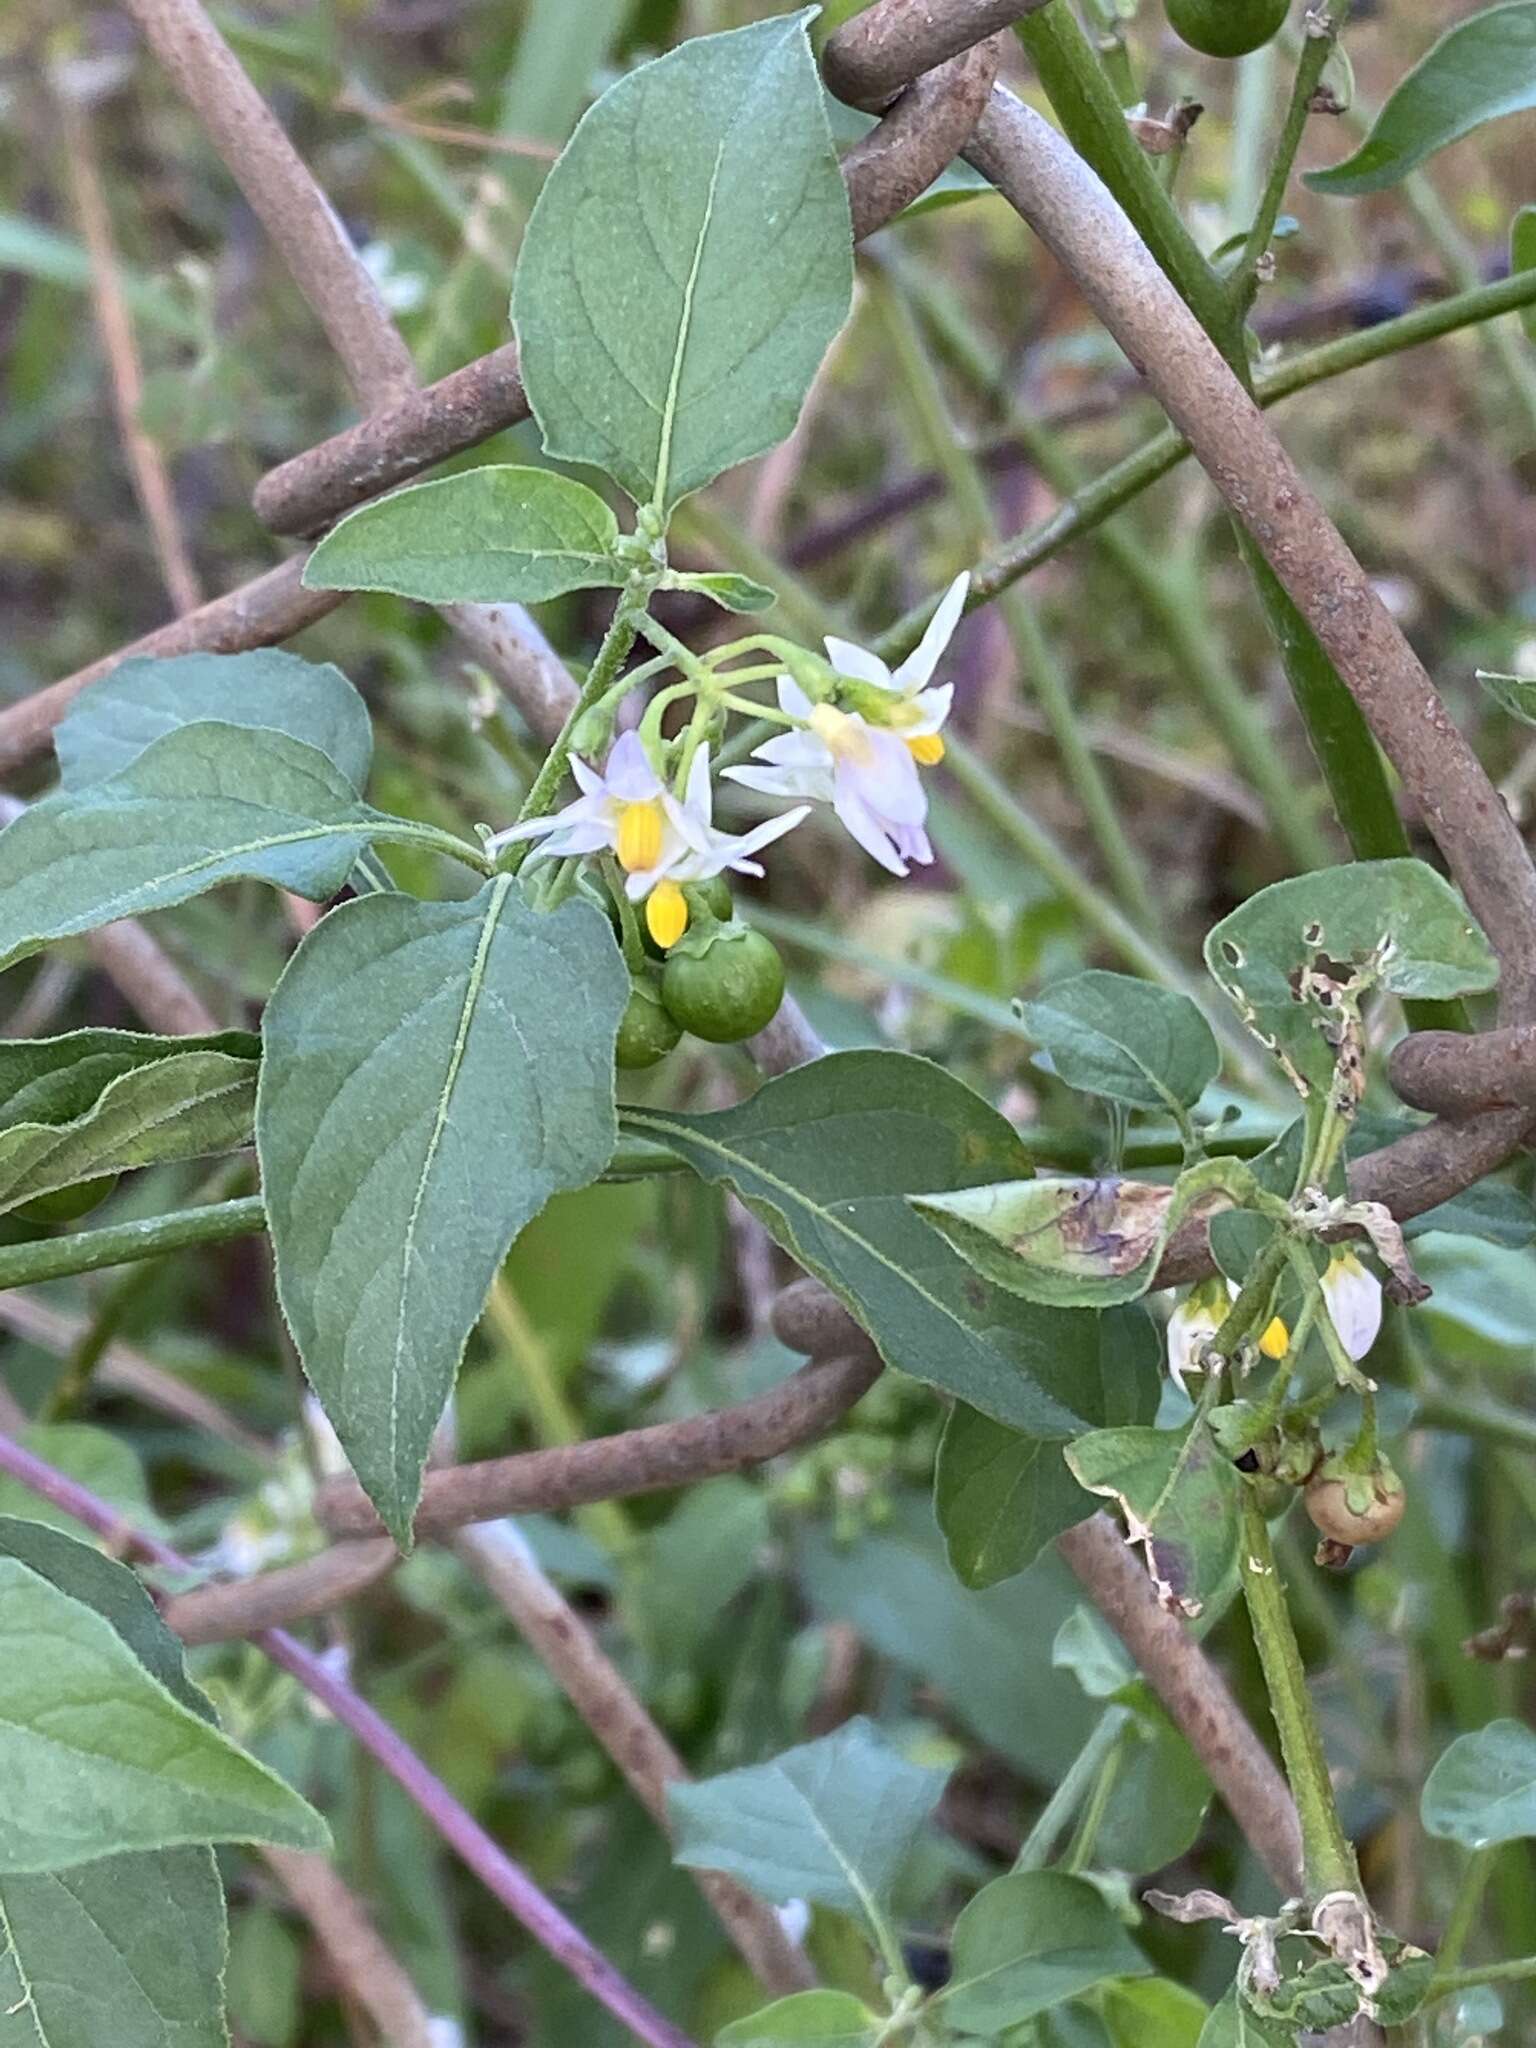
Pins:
x: 647, y: 1031
x: 731, y: 987
x: 1226, y: 28
x: 1352, y: 1507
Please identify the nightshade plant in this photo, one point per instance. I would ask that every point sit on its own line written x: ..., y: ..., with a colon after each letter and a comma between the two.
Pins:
x: 430, y: 1071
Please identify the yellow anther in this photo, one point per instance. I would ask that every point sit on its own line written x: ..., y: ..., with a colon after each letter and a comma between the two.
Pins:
x: 1276, y: 1340
x: 927, y: 749
x: 666, y: 913
x: 639, y: 836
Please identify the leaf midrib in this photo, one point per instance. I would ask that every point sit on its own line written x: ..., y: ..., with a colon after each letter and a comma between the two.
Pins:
x: 826, y: 1216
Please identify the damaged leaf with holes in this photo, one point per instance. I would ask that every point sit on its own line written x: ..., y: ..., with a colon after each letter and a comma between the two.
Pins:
x: 1287, y: 954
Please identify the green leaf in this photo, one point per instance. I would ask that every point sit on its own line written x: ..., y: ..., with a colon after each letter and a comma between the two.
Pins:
x: 1088, y: 1647
x: 831, y: 1821
x: 499, y: 535
x: 1028, y: 1942
x: 834, y: 2018
x: 1514, y: 694
x: 1179, y: 1496
x: 1001, y: 1496
x: 1491, y: 1210
x: 1067, y: 1242
x: 687, y: 264
x: 1481, y: 68
x: 1154, y: 2014
x: 124, y: 1100
x: 1395, y: 923
x: 129, y: 1950
x: 266, y: 1967
x: 110, y: 724
x: 1522, y: 256
x: 733, y: 593
x: 205, y: 804
x: 1482, y: 1790
x: 101, y: 1759
x: 1112, y: 1035
x: 1157, y: 1804
x: 433, y: 1073
x: 826, y: 1156
x: 83, y: 1573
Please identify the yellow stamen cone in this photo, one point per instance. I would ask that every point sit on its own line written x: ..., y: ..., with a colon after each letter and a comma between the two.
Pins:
x: 666, y: 914
x: 927, y: 749
x: 639, y: 837
x: 1276, y: 1340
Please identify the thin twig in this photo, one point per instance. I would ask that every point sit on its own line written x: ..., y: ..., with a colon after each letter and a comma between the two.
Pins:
x: 597, y: 1690
x: 503, y: 1878
x: 114, y: 322
x: 365, y: 1969
x: 283, y: 195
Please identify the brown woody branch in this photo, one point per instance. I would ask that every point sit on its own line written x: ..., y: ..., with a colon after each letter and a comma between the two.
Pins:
x: 1458, y: 1076
x: 219, y: 1612
x: 364, y: 1967
x: 282, y: 194
x: 597, y: 1690
x: 613, y: 1468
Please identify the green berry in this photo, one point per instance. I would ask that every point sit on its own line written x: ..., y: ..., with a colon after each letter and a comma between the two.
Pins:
x: 1227, y: 28
x: 728, y: 988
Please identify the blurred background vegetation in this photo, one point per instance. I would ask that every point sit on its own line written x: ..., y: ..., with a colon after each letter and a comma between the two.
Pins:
x: 755, y: 1611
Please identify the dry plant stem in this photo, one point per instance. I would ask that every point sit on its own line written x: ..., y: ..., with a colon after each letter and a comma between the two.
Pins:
x: 1195, y: 1694
x: 1070, y: 209
x: 867, y: 65
x: 125, y: 1371
x: 282, y: 194
x: 596, y: 1689
x: 649, y: 1460
x: 371, y: 1977
x: 221, y: 1612
x: 1457, y: 1076
x: 150, y: 979
x: 458, y: 1828
x: 151, y: 483
x: 260, y: 613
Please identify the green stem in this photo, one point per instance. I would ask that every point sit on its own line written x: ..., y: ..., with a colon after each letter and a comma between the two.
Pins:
x: 1079, y: 1852
x: 1515, y: 1971
x: 1084, y: 102
x: 117, y: 1244
x: 1465, y: 1907
x: 1164, y: 451
x: 1500, y: 1425
x: 87, y: 1352
x: 616, y: 643
x: 1036, y: 657
x: 1341, y: 738
x: 1328, y: 1861
x: 1323, y: 26
x: 1070, y: 1793
x: 1250, y: 123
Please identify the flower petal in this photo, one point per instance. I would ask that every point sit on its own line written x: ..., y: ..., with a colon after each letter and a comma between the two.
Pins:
x: 859, y: 663
x: 629, y: 775
x: 793, y: 701
x: 1353, y: 1295
x: 924, y: 658
x: 814, y: 781
x: 861, y: 824
x: 933, y: 708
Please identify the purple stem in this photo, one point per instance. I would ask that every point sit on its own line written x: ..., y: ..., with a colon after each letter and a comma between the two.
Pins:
x: 458, y: 1827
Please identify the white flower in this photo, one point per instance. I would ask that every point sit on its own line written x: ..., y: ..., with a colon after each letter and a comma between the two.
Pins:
x: 660, y: 842
x: 864, y: 771
x: 706, y: 852
x: 1190, y: 1328
x: 863, y: 761
x: 919, y: 711
x: 1353, y: 1296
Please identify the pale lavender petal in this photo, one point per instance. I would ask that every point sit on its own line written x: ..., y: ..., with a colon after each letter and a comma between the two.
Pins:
x: 887, y: 780
x: 859, y: 663
x: 861, y: 824
x: 815, y: 782
x: 793, y: 701
x: 588, y: 781
x: 924, y: 658
x: 629, y: 775
x: 933, y: 705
